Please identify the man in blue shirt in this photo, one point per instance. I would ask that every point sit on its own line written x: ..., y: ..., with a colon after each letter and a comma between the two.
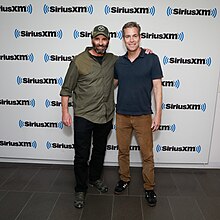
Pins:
x: 137, y: 74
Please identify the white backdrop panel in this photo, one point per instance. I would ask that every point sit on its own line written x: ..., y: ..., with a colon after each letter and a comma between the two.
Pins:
x: 184, y: 34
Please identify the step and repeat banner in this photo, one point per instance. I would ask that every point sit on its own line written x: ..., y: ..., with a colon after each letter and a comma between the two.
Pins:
x: 38, y: 39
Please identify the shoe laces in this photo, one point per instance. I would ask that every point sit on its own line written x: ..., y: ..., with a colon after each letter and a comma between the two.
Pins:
x: 122, y: 183
x: 80, y: 196
x: 99, y: 184
x: 150, y: 194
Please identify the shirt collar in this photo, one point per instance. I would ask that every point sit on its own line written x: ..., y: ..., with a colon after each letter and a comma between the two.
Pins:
x: 142, y: 53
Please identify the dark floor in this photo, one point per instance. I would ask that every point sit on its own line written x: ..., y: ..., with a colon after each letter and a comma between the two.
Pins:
x: 35, y: 191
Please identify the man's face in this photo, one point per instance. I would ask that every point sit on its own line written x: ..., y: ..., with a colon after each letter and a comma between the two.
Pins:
x: 100, y: 44
x: 131, y: 39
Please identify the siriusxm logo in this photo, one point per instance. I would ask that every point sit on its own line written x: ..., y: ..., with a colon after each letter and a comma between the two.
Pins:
x: 25, y: 80
x: 59, y: 145
x: 160, y: 148
x: 45, y: 124
x: 197, y: 61
x: 56, y: 58
x: 52, y: 103
x: 17, y: 9
x: 115, y: 147
x: 71, y: 9
x: 132, y: 10
x: 168, y: 127
x: 83, y: 34
x: 17, y: 102
x: 163, y: 36
x: 173, y: 83
x: 193, y: 12
x: 18, y: 144
x: 17, y: 57
x: 195, y: 107
x: 51, y: 34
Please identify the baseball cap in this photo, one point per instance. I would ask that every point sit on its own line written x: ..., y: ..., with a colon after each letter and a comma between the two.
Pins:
x: 100, y: 29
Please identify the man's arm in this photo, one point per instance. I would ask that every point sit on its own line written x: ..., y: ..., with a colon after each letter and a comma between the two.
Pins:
x: 69, y: 84
x: 157, y: 90
x: 66, y: 117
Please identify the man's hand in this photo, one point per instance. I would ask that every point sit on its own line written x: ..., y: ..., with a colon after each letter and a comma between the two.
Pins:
x: 148, y: 51
x: 67, y: 119
x: 155, y: 123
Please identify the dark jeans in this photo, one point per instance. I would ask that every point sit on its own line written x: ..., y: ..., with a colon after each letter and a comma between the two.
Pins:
x: 84, y: 132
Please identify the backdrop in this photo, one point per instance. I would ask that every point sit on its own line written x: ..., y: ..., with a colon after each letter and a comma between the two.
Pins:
x: 39, y: 38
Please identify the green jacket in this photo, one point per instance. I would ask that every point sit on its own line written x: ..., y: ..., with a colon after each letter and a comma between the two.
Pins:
x: 91, y: 86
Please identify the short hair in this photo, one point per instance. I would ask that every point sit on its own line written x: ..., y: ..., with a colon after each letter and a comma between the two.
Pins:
x: 131, y: 24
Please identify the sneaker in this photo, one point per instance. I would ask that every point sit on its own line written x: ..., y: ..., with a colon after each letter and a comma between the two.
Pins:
x: 79, y: 199
x: 151, y: 197
x: 99, y: 185
x: 121, y: 186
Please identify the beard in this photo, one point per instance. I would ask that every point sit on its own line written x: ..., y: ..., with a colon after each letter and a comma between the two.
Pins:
x: 100, y: 49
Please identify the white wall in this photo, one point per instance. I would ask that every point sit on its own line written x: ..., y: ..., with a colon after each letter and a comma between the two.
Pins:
x: 214, y: 160
x: 198, y: 37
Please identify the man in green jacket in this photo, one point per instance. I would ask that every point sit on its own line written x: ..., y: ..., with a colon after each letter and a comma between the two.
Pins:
x: 89, y: 81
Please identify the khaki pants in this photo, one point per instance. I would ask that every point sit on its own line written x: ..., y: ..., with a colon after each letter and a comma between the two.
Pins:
x: 125, y: 124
